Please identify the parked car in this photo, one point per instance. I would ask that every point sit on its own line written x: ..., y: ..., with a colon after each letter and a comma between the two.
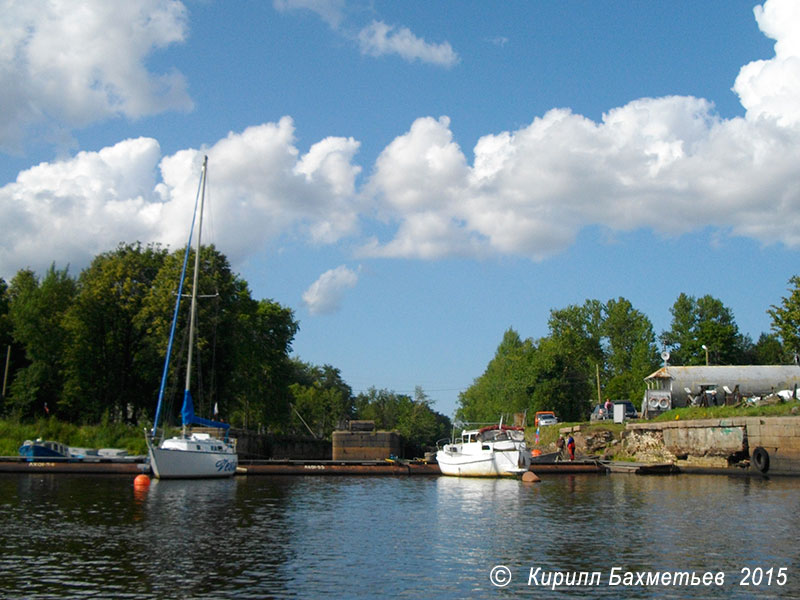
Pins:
x: 537, y: 418
x: 547, y: 420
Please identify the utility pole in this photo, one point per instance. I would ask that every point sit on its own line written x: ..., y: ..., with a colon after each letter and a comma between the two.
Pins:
x: 5, y: 374
x: 597, y: 370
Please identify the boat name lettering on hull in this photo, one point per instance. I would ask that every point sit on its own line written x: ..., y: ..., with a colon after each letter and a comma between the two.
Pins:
x: 226, y: 466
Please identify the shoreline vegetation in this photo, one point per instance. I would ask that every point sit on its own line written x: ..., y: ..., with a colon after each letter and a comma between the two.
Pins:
x: 103, y: 435
x: 131, y: 438
x: 90, y: 349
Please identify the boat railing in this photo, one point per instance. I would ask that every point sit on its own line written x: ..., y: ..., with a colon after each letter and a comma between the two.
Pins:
x: 215, y: 432
x: 440, y: 444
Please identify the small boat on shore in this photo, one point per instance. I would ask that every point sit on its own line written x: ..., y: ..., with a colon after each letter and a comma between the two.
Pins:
x: 32, y: 449
x: 40, y: 450
x: 493, y: 451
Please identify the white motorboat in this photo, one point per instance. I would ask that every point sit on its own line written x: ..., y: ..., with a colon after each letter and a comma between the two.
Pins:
x: 493, y: 451
x: 190, y: 455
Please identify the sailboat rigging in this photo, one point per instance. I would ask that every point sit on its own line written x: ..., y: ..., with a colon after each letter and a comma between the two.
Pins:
x: 190, y: 455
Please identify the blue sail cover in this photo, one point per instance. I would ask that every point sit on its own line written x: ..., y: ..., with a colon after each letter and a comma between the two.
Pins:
x: 188, y: 416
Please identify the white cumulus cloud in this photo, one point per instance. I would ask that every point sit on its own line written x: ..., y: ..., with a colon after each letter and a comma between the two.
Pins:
x: 669, y: 165
x: 376, y: 39
x: 65, y: 64
x: 379, y: 39
x: 324, y: 296
x: 771, y: 88
x: 259, y: 187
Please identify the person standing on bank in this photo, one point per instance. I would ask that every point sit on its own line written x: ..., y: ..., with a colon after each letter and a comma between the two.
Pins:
x: 571, y: 447
x: 560, y: 447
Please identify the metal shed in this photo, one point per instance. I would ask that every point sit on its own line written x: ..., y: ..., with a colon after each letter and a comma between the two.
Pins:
x: 672, y: 387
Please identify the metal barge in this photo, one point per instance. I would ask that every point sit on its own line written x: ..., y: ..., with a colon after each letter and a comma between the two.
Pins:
x: 97, y: 466
x: 110, y: 466
x: 337, y: 467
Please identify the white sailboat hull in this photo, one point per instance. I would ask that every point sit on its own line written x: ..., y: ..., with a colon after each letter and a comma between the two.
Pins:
x: 486, y: 463
x: 192, y: 458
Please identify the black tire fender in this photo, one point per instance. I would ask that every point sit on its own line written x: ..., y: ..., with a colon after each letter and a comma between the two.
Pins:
x: 760, y: 459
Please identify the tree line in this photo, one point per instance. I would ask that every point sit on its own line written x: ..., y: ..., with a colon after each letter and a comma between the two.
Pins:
x: 92, y: 347
x: 607, y: 349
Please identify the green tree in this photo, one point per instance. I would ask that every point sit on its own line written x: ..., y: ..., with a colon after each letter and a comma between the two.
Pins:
x: 6, y: 336
x: 576, y: 349
x: 36, y: 310
x: 704, y: 322
x: 419, y: 424
x: 213, y: 354
x: 504, y: 387
x: 630, y: 350
x: 110, y: 361
x: 768, y: 350
x: 321, y: 399
x: 562, y: 381
x: 264, y: 331
x: 8, y: 347
x: 413, y: 418
x: 786, y: 318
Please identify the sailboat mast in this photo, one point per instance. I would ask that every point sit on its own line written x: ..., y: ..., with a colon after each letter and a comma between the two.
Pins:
x: 165, y: 372
x: 193, y: 309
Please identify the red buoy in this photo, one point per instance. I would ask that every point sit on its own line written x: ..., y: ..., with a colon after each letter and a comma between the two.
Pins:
x: 141, y: 481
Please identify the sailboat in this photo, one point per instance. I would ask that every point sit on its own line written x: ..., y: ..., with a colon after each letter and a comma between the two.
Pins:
x: 190, y: 455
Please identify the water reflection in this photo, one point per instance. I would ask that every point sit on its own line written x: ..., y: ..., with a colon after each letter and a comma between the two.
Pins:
x: 367, y: 537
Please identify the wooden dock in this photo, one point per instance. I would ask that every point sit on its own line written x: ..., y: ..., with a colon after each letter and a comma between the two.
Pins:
x: 643, y: 468
x: 567, y: 466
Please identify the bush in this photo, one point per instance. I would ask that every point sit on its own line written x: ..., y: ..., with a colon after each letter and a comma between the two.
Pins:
x: 106, y: 435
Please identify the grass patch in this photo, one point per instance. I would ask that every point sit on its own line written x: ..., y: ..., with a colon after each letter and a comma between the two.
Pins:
x: 782, y: 409
x: 106, y: 435
x: 548, y: 435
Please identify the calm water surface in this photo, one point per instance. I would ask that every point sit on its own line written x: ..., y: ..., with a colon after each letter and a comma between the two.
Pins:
x: 65, y: 536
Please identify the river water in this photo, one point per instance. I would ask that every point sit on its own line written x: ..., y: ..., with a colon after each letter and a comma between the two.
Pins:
x: 71, y: 536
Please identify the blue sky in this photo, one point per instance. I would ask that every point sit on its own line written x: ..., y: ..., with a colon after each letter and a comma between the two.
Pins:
x: 413, y: 178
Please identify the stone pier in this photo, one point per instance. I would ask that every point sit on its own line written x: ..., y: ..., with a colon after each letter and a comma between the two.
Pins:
x: 769, y: 445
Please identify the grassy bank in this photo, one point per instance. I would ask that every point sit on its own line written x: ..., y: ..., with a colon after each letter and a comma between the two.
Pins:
x: 106, y: 435
x: 781, y: 409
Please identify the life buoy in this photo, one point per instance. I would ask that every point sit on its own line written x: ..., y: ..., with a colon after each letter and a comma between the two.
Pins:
x: 760, y: 459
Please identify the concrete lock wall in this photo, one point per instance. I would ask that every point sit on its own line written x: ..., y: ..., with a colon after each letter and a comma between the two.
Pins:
x: 358, y: 445
x: 771, y: 444
x: 705, y: 441
x: 251, y: 445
